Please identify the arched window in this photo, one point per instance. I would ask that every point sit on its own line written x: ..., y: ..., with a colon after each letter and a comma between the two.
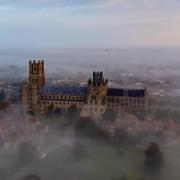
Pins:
x: 93, y: 97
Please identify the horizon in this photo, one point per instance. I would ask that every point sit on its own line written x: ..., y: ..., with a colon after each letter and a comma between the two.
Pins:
x: 82, y: 57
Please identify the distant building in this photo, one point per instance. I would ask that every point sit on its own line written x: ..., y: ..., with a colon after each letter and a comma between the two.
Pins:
x: 92, y: 100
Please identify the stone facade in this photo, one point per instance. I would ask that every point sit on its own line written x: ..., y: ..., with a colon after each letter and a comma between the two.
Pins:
x: 31, y: 92
x: 92, y: 100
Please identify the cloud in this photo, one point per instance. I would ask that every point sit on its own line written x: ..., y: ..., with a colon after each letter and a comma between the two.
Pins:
x: 59, y: 23
x: 120, y: 7
x: 43, y: 3
x: 62, y: 3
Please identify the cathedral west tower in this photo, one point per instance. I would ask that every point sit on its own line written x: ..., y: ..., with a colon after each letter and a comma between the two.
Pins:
x: 32, y: 91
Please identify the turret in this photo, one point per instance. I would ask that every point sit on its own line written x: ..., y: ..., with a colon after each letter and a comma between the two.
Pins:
x: 97, y: 93
x: 98, y: 79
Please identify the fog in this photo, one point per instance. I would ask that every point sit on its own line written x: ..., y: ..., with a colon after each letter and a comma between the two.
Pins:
x: 80, y: 58
x: 64, y: 146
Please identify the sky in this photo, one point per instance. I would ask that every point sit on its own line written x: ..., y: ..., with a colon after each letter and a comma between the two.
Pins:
x: 89, y: 23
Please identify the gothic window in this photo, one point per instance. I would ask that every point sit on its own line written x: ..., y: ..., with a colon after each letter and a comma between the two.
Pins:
x: 142, y: 102
x: 35, y: 69
x: 103, y: 101
x: 138, y: 101
x: 126, y: 101
x: 93, y: 97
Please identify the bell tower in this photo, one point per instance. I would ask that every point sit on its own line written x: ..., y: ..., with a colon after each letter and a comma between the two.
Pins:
x: 97, y: 89
x: 36, y: 82
x: 97, y: 92
x: 36, y: 73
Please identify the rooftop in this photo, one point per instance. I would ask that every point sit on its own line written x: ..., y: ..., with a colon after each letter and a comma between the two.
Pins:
x: 82, y: 91
x: 65, y: 90
x: 126, y: 92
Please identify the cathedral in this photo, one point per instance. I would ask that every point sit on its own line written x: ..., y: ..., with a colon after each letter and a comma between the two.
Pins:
x: 94, y: 99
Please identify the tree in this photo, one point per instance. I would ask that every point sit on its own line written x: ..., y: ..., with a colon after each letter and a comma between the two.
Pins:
x: 50, y: 108
x: 153, y: 159
x: 86, y: 127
